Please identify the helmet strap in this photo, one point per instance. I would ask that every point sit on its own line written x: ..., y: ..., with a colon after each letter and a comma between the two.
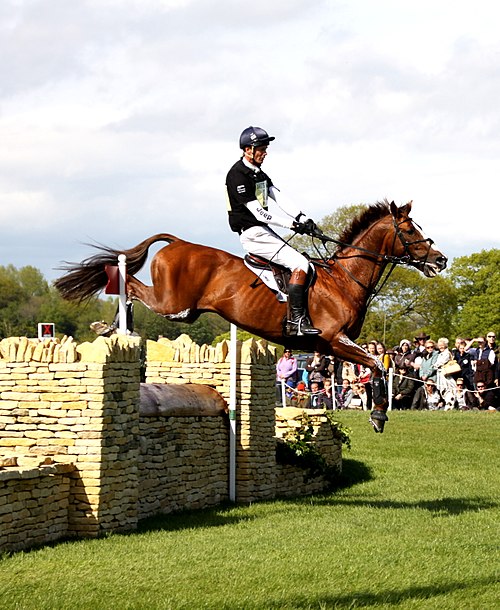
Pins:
x: 249, y: 155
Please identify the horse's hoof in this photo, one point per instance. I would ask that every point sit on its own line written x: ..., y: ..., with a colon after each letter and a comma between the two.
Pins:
x: 102, y: 329
x: 377, y: 420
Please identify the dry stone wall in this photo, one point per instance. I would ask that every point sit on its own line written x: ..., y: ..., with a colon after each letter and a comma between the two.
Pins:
x: 83, y: 413
x: 182, y: 361
x: 78, y: 458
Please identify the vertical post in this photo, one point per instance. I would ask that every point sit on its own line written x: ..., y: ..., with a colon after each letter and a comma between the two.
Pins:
x: 122, y: 299
x: 389, y: 388
x: 283, y: 393
x: 232, y: 415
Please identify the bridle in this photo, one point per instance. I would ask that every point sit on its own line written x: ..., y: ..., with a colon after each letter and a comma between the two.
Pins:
x: 381, y: 259
x: 408, y: 260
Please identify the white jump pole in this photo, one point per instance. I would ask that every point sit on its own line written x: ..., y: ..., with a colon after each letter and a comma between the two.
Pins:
x: 389, y: 388
x: 283, y: 393
x: 122, y: 299
x: 232, y: 415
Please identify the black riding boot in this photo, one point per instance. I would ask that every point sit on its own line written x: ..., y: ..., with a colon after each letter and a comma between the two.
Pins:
x: 298, y: 323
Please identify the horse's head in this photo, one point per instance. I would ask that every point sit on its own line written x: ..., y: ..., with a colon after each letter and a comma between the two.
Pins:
x: 412, y: 245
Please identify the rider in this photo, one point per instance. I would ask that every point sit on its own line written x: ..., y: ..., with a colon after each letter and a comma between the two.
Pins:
x: 248, y: 189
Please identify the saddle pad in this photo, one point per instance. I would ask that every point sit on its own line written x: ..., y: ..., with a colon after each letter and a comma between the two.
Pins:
x: 267, y: 277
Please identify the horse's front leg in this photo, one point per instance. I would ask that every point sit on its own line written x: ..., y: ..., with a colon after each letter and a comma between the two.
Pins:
x: 350, y: 351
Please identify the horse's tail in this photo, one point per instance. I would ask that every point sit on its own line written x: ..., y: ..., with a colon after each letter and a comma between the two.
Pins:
x: 85, y: 279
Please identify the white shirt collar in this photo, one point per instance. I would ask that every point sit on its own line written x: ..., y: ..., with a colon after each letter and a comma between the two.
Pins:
x: 251, y: 166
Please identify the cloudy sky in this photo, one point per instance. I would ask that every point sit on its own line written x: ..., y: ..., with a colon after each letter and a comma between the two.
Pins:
x: 120, y: 118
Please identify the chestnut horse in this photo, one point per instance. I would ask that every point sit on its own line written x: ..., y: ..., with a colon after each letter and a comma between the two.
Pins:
x: 189, y: 279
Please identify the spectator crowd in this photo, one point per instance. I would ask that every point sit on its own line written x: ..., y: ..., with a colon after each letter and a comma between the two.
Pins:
x: 426, y: 375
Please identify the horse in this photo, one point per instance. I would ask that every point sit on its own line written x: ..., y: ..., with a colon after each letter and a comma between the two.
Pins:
x: 190, y: 279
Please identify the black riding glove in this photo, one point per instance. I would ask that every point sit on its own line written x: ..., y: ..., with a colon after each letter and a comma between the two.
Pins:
x: 308, y: 227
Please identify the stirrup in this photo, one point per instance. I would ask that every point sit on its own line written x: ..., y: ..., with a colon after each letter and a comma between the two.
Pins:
x: 302, y: 327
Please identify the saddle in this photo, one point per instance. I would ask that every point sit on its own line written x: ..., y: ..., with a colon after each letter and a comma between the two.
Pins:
x: 265, y: 270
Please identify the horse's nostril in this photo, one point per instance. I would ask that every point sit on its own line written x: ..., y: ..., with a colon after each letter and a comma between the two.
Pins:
x: 441, y: 261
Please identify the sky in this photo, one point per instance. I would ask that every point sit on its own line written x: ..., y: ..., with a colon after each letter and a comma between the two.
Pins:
x: 119, y: 119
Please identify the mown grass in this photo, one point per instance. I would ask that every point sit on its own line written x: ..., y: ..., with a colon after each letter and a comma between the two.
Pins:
x: 416, y: 526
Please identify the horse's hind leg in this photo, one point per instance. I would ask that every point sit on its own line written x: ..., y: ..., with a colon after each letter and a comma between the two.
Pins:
x: 158, y: 301
x: 348, y: 350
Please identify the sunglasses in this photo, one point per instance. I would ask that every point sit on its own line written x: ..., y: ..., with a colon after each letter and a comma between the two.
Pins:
x: 491, y: 337
x: 480, y: 387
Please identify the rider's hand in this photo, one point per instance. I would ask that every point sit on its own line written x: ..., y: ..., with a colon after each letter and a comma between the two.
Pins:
x: 308, y: 227
x: 311, y: 227
x: 299, y: 227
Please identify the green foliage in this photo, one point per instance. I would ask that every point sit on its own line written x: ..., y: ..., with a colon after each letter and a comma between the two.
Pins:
x: 341, y: 432
x: 241, y: 335
x: 298, y: 449
x: 298, y: 446
x: 410, y: 302
x: 477, y: 281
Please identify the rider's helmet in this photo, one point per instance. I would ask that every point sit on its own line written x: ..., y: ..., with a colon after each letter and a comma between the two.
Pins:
x: 254, y: 136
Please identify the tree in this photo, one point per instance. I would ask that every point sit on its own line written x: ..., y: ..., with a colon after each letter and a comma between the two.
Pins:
x: 410, y: 302
x: 21, y: 292
x: 477, y: 281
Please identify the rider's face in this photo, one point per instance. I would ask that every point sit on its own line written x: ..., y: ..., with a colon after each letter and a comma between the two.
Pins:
x: 256, y: 154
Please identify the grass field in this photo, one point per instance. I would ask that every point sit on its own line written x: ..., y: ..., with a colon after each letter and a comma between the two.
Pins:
x: 416, y: 526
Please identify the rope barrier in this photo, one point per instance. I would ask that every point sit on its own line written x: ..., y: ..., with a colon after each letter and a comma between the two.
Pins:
x: 308, y: 393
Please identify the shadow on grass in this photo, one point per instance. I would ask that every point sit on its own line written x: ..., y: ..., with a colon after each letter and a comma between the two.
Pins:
x: 219, y: 516
x: 395, y: 596
x: 439, y: 507
x: 353, y: 473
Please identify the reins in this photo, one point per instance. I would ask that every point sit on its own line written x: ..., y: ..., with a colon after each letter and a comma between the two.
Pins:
x: 380, y: 259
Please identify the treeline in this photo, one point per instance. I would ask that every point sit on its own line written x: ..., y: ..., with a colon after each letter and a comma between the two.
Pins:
x: 26, y: 299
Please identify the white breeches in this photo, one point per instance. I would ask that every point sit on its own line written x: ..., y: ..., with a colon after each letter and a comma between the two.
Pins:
x: 263, y: 241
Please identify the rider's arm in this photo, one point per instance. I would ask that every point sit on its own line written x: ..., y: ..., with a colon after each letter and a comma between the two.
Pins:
x: 286, y: 205
x: 265, y: 215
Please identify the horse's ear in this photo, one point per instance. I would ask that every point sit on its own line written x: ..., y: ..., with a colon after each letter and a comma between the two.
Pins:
x: 402, y: 212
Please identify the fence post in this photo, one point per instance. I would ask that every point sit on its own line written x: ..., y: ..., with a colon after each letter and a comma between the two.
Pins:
x: 232, y: 415
x: 389, y: 388
x: 122, y: 299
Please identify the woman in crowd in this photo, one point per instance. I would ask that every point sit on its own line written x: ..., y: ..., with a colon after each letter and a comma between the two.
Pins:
x: 404, y: 356
x: 317, y: 368
x: 403, y: 388
x: 445, y: 383
x: 428, y: 397
x: 383, y: 356
x: 286, y: 370
x: 345, y: 395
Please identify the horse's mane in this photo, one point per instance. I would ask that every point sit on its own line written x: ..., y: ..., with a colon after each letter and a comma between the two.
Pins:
x: 372, y: 213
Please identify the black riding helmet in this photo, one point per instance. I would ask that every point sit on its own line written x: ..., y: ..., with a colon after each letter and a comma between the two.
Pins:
x: 254, y: 136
